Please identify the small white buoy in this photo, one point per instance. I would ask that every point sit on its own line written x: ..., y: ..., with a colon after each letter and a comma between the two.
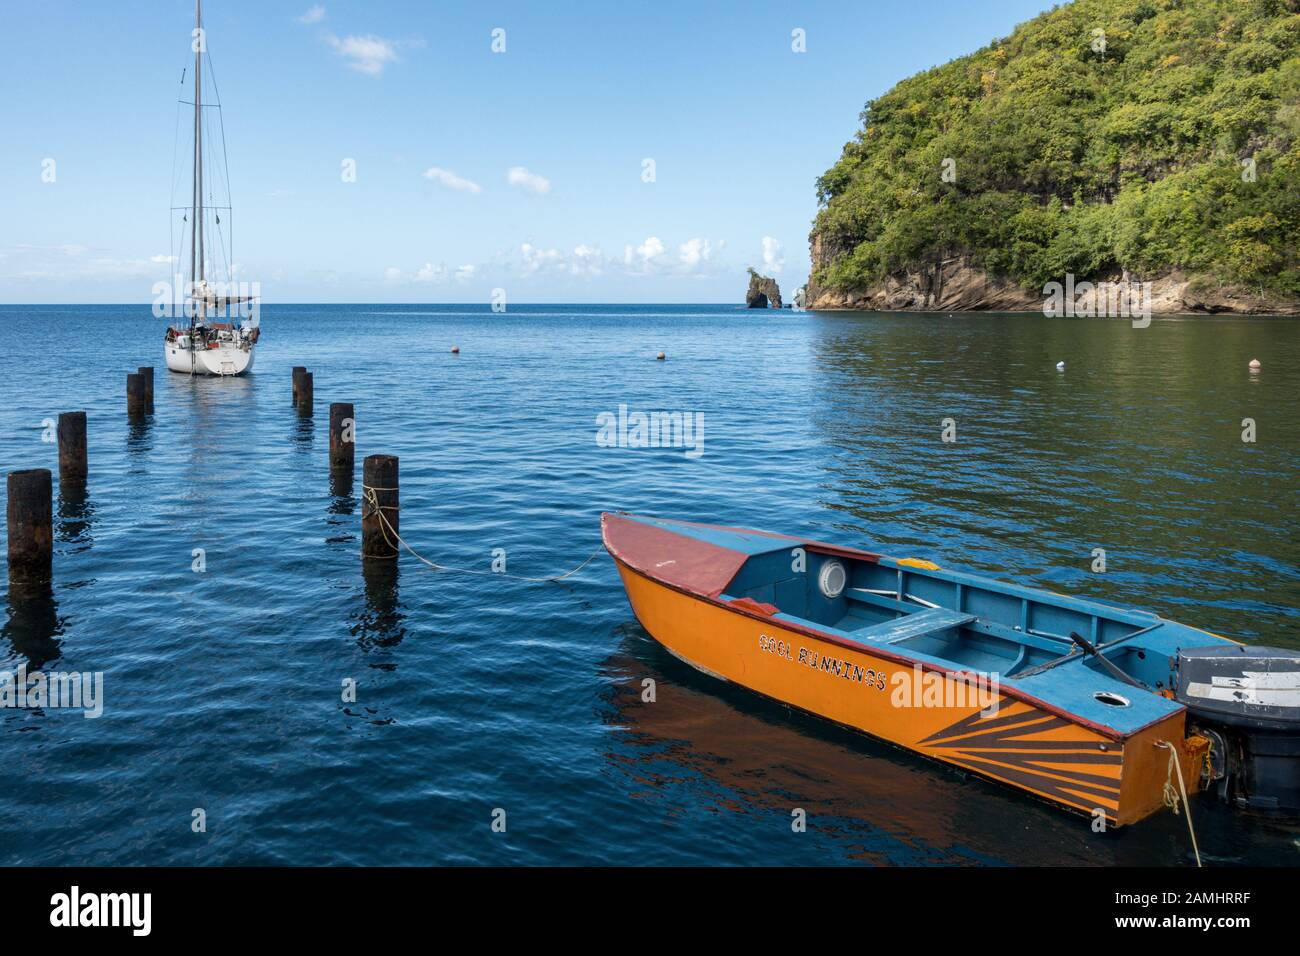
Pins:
x: 1060, y: 366
x: 1254, y: 363
x: 660, y: 357
x: 455, y: 350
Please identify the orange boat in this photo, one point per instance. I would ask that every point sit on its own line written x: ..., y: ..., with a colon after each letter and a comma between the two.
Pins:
x: 1097, y: 709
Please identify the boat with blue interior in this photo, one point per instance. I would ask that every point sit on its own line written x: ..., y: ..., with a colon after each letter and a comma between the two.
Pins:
x: 1099, y: 709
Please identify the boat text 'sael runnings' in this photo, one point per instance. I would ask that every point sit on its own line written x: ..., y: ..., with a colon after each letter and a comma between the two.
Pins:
x: 1092, y: 707
x: 204, y: 347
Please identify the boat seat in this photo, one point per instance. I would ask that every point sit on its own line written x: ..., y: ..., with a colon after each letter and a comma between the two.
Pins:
x: 914, y: 625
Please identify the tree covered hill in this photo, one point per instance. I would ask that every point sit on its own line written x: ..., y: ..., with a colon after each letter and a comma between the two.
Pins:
x: 1148, y: 136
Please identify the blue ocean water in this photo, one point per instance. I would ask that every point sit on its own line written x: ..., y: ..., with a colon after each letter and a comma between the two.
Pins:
x: 477, y: 692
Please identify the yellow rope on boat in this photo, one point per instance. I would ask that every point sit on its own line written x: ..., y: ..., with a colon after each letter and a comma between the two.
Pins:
x: 1171, y: 798
x: 372, y: 499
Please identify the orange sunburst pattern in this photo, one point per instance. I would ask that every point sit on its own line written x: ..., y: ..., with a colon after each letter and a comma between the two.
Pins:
x: 1036, y: 751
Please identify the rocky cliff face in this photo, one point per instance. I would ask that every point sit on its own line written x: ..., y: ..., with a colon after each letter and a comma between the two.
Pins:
x: 953, y: 284
x: 763, y: 292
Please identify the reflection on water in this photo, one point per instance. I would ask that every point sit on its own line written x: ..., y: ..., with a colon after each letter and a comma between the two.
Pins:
x: 1128, y: 450
x: 32, y: 623
x: 139, y: 434
x: 302, y: 430
x: 342, y: 501
x: 75, y: 516
x: 381, y: 621
x: 701, y: 739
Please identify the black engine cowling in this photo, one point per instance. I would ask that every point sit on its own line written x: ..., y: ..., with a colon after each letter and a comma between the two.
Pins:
x: 1246, y: 701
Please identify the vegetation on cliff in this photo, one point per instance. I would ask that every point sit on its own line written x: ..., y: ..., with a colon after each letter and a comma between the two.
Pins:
x: 1104, y: 135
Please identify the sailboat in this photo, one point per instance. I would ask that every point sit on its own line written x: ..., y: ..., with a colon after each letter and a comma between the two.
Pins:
x: 204, y: 345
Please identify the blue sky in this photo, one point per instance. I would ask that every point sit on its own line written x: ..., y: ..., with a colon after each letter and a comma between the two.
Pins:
x: 738, y: 126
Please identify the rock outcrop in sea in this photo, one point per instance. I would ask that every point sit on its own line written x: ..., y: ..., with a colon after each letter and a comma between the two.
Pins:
x: 763, y: 292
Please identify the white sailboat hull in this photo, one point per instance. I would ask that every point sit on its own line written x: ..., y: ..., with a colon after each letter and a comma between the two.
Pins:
x: 224, y: 360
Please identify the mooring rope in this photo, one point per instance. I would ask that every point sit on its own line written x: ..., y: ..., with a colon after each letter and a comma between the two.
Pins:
x: 1171, y: 798
x: 372, y: 499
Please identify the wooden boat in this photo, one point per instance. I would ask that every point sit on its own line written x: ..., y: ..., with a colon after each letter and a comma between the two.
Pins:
x: 1092, y: 707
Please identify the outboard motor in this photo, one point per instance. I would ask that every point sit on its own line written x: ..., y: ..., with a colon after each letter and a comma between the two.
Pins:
x: 1246, y: 701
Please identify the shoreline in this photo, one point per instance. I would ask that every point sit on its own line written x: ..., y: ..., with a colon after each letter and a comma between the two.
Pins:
x: 1039, y: 312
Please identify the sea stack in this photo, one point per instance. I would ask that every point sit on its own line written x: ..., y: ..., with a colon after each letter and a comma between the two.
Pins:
x: 762, y: 293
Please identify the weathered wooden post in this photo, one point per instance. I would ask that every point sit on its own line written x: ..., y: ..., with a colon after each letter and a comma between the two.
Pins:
x: 30, y: 514
x: 379, y: 509
x: 147, y: 372
x: 298, y: 372
x: 343, y: 444
x: 305, y: 397
x: 135, y: 394
x: 72, y: 447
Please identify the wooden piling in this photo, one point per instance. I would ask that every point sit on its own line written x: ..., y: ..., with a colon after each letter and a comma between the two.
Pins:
x: 305, y: 396
x: 342, y: 436
x: 136, y: 404
x: 298, y: 372
x: 379, y: 496
x: 30, y: 515
x: 72, y: 447
x: 147, y: 372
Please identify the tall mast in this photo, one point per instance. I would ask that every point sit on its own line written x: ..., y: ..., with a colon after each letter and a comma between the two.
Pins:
x: 196, y: 208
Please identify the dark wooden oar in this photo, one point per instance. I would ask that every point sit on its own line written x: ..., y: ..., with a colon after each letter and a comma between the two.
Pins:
x: 1106, y: 663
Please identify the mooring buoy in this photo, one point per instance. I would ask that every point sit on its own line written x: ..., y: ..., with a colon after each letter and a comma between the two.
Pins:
x: 1254, y: 363
x: 660, y: 357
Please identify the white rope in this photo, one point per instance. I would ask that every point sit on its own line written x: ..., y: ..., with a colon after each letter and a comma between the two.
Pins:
x: 372, y: 499
x: 1171, y: 798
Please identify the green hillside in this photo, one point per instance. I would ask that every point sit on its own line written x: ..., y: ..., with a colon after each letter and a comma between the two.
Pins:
x: 1068, y: 159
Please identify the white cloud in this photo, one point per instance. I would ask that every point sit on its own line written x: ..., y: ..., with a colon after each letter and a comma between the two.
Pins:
x: 162, y: 259
x: 693, y: 257
x: 431, y: 273
x: 314, y: 14
x: 521, y: 177
x: 694, y: 254
x: 587, y: 260
x: 773, y: 256
x: 367, y: 54
x: 645, y: 255
x: 73, y: 261
x: 539, y: 260
x: 449, y: 179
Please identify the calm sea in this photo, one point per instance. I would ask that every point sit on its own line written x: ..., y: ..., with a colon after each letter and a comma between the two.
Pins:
x: 476, y: 692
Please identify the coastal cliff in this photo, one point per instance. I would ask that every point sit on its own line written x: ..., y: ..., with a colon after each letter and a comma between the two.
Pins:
x: 1153, y: 141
